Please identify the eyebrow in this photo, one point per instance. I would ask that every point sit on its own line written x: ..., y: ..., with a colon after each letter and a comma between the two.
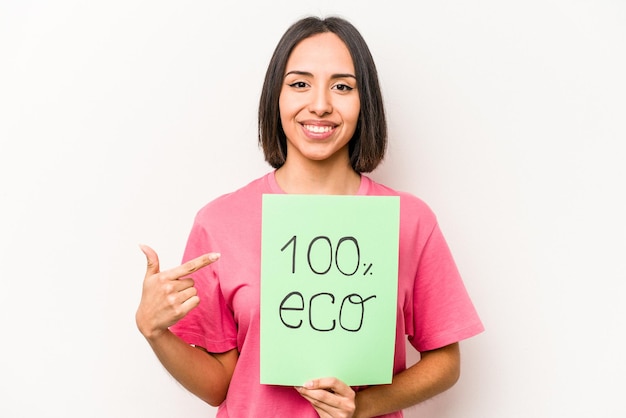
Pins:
x: 306, y: 73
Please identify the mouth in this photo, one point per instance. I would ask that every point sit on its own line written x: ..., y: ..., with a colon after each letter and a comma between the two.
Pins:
x: 317, y: 129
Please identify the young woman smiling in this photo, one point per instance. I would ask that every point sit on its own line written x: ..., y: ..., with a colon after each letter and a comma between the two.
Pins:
x: 322, y: 126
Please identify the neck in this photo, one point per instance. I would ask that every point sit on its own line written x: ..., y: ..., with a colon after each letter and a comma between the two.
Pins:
x: 318, y: 177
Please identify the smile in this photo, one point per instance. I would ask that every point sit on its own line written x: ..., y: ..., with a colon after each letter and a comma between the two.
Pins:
x: 318, y: 129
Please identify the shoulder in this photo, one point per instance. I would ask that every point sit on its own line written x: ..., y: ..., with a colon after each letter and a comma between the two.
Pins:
x: 237, y: 202
x: 411, y: 205
x: 235, y: 198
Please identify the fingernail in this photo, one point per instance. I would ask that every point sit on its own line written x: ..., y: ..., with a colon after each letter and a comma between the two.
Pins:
x: 214, y: 256
x: 308, y: 384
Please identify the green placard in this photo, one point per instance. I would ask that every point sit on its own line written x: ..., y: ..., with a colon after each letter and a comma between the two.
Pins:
x: 329, y: 275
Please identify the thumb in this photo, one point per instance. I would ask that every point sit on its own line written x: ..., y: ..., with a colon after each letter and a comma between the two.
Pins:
x: 152, y: 259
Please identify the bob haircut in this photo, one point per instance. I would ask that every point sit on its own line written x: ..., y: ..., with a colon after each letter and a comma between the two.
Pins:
x: 368, y: 144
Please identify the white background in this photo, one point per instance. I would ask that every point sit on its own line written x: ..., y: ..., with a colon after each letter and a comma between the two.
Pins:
x: 120, y: 119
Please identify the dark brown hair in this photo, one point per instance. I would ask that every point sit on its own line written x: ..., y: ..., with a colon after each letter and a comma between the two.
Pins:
x: 368, y: 144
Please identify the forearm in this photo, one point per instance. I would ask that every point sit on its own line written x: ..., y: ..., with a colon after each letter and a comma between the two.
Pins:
x: 205, y: 375
x: 437, y: 371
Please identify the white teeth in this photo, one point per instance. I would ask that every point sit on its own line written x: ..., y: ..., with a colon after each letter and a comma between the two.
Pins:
x: 318, y: 129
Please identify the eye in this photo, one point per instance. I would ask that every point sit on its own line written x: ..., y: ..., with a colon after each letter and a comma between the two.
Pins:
x: 298, y: 85
x: 343, y: 87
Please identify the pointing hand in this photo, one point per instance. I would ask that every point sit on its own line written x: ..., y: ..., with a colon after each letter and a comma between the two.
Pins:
x: 168, y: 295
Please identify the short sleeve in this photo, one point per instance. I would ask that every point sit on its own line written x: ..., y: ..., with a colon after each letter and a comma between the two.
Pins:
x: 443, y: 312
x: 211, y: 324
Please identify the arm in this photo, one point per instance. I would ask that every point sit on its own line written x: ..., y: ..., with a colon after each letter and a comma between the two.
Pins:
x: 166, y: 298
x: 204, y: 374
x: 437, y: 371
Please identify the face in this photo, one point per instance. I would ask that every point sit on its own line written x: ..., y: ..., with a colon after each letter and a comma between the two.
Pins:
x: 319, y: 100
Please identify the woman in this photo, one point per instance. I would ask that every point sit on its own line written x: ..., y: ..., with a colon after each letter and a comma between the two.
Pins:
x: 321, y: 125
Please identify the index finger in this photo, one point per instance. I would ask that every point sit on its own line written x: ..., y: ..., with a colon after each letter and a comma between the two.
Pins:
x: 191, y: 266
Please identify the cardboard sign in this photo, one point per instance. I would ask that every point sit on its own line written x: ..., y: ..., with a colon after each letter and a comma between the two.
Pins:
x: 329, y: 277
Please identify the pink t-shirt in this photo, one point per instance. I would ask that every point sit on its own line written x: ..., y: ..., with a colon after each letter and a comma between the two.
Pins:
x: 434, y: 309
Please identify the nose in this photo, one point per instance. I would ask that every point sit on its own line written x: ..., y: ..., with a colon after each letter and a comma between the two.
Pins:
x: 321, y: 102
